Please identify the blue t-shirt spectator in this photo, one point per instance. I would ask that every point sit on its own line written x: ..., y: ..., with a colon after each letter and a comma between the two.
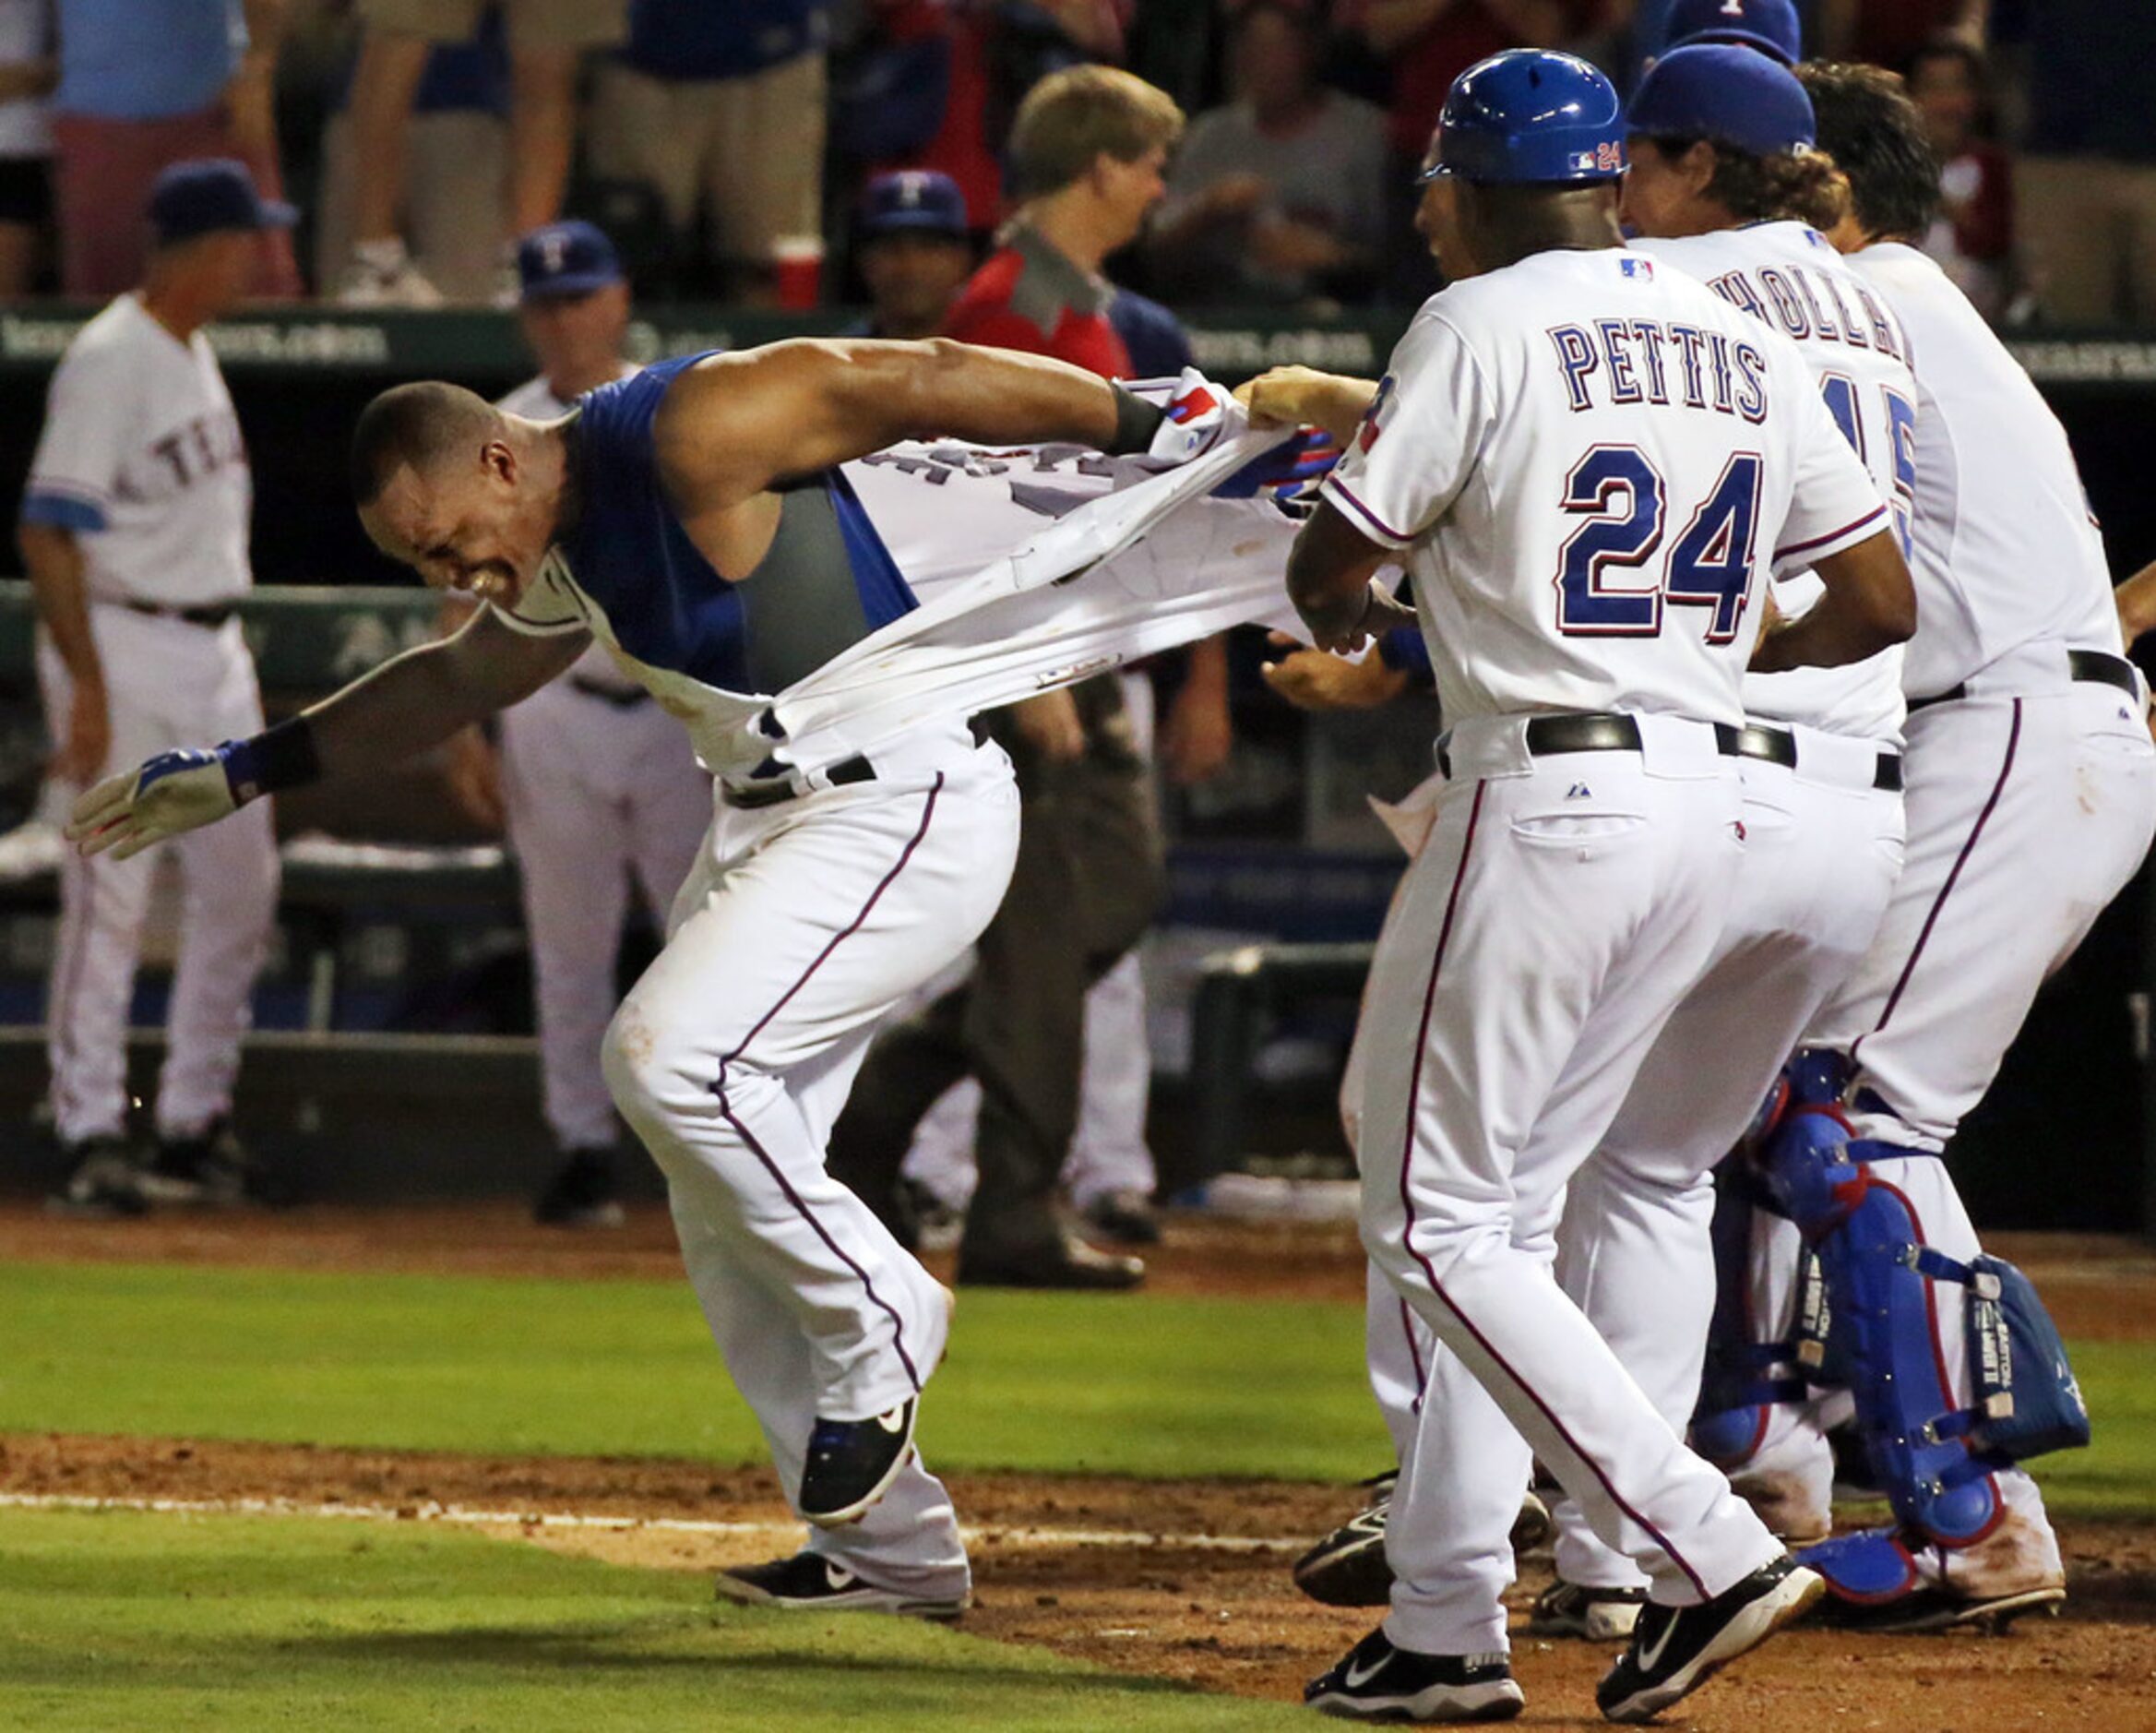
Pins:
x: 1158, y: 346
x: 736, y: 38
x: 126, y: 60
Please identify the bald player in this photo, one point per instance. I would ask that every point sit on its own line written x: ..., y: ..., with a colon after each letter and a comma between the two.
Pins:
x: 716, y: 521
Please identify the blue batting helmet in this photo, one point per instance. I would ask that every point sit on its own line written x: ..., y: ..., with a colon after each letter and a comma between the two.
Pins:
x: 1531, y: 117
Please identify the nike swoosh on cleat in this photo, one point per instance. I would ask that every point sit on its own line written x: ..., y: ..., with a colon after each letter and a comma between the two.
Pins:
x: 894, y: 1421
x: 1358, y: 1676
x: 838, y: 1577
x: 1651, y: 1659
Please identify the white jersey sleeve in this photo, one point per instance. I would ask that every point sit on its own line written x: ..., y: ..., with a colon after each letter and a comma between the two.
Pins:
x: 1418, y: 441
x: 1835, y: 504
x: 89, y: 411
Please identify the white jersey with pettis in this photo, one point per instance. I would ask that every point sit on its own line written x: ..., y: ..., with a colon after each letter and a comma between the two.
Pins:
x: 535, y: 401
x: 1789, y: 276
x: 1587, y: 461
x: 2007, y: 553
x: 141, y: 459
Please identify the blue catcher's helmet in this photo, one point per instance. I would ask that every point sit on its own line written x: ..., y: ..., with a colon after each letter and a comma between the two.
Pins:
x: 1528, y: 117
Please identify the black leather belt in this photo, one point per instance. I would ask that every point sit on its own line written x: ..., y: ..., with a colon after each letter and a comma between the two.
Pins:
x: 1586, y: 731
x: 210, y: 614
x: 1770, y: 745
x: 2098, y: 665
x: 620, y: 697
x: 856, y: 769
x: 1778, y: 746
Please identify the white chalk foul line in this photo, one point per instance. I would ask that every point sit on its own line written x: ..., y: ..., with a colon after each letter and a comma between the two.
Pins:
x: 992, y: 1534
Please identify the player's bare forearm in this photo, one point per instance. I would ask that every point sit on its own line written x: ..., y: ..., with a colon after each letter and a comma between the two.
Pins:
x: 53, y: 559
x: 2136, y: 601
x: 419, y: 700
x: 1329, y: 572
x: 1870, y: 605
x: 736, y: 424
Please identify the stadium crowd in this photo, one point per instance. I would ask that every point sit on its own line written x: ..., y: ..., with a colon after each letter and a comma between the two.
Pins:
x: 726, y: 144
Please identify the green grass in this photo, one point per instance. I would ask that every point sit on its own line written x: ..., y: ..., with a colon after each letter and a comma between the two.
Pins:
x: 234, y: 1623
x: 1134, y: 1385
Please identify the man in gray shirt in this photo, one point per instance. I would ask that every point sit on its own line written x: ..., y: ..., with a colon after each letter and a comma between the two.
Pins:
x: 1279, y: 196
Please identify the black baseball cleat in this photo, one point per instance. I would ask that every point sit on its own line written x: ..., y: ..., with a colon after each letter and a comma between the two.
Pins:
x: 1066, y: 1263
x: 582, y: 1193
x: 212, y: 1167
x: 852, y: 1463
x: 102, y: 1183
x: 810, y: 1582
x: 1677, y: 1649
x: 1127, y: 1217
x: 1572, y: 1609
x: 1932, y: 1608
x: 1348, y: 1567
x: 1376, y: 1681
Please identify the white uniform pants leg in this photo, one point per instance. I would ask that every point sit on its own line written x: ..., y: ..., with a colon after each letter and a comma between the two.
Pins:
x: 1542, y: 941
x: 1108, y: 1152
x: 203, y: 690
x: 595, y: 792
x: 2026, y: 816
x: 803, y: 926
x: 1633, y: 1248
x: 229, y: 877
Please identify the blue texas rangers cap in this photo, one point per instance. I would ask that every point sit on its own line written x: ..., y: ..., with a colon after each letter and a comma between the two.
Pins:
x: 564, y: 258
x: 1719, y: 91
x: 209, y: 195
x: 920, y: 200
x: 1530, y: 116
x: 1769, y: 26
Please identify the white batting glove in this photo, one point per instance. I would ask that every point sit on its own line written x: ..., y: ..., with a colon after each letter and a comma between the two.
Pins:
x: 175, y: 792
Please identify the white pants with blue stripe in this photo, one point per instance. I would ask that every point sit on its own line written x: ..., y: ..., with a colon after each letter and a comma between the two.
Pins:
x: 802, y: 925
x: 1558, y: 913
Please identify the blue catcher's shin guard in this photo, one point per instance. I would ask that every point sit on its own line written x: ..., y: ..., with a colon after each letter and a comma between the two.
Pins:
x: 1878, y: 1282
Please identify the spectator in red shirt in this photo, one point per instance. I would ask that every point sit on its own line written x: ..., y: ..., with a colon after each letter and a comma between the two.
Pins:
x: 1972, y: 237
x: 1088, y: 153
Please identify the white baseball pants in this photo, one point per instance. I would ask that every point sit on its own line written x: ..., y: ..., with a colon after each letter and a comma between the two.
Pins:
x: 1561, y: 908
x: 2027, y: 815
x: 1823, y: 850
x: 802, y: 926
x: 168, y: 682
x: 598, y: 795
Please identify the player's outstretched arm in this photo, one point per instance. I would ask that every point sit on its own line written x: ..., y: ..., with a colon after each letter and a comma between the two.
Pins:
x: 2136, y: 601
x: 1288, y: 397
x: 407, y: 705
x: 1870, y: 605
x: 735, y: 423
x: 1332, y: 581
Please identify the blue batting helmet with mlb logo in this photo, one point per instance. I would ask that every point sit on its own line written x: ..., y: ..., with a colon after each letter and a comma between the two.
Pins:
x: 1530, y: 117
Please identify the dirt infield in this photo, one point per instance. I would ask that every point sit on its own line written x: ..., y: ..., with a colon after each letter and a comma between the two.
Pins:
x: 1107, y: 1569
